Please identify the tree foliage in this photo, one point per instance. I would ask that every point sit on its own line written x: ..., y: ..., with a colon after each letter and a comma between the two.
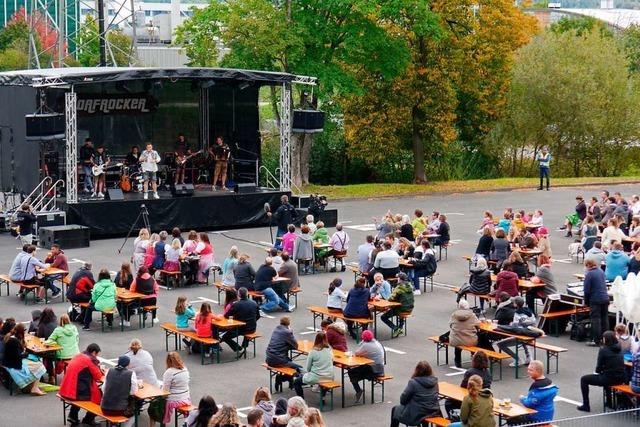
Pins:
x: 89, y: 45
x: 453, y: 90
x: 575, y: 95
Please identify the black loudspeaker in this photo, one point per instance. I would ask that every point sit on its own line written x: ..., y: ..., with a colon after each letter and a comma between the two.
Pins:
x: 67, y: 236
x: 244, y: 188
x: 114, y: 194
x: 308, y: 121
x: 182, y: 190
x: 45, y: 126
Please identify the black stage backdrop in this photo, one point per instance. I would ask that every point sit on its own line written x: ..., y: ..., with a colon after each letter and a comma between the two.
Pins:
x: 115, y: 218
x: 233, y: 114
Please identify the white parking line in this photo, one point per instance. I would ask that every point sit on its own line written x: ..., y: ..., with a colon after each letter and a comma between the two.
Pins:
x: 362, y: 227
x: 110, y: 362
x: 76, y: 260
x: 393, y: 350
x: 208, y: 299
x: 458, y: 371
x: 241, y: 413
x: 564, y: 399
x: 454, y: 213
x: 564, y: 261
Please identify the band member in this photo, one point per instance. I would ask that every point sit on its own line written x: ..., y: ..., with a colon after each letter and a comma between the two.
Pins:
x: 132, y: 157
x: 149, y: 160
x: 182, y: 151
x: 221, y: 154
x: 86, y: 158
x: 99, y: 159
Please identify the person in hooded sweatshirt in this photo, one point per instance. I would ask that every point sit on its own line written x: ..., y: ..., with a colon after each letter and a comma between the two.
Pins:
x: 262, y: 400
x: 540, y: 396
x: 477, y: 406
x: 597, y: 299
x: 145, y: 284
x: 357, y: 304
x: 462, y: 330
x: 419, y: 398
x: 303, y: 249
x: 609, y: 371
x: 617, y: 263
x: 596, y: 254
x: 506, y: 281
x: 479, y: 281
x: 66, y: 336
x: 336, y: 333
x: 522, y: 317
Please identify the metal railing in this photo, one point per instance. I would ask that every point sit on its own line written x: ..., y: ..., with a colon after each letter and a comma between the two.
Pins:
x: 270, y: 180
x: 43, y: 197
x: 627, y: 417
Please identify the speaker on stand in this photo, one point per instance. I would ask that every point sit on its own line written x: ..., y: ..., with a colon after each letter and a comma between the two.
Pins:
x: 182, y: 190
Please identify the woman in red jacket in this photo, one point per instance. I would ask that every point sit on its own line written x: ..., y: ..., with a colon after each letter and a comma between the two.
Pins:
x: 506, y: 281
x: 80, y: 382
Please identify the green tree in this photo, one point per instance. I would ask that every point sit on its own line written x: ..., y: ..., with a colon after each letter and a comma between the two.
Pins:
x: 454, y: 88
x: 335, y: 41
x: 575, y: 95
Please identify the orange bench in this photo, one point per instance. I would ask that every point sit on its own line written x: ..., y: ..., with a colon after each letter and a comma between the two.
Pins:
x: 4, y: 278
x: 93, y: 408
x: 171, y: 330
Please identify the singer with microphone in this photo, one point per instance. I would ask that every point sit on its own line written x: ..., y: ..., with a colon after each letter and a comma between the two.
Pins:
x: 221, y: 155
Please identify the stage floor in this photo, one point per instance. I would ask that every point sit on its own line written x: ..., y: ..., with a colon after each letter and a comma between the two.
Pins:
x: 205, y: 210
x: 165, y: 194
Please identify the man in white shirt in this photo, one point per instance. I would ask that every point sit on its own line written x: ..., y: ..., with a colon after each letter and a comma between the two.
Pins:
x: 149, y: 159
x: 387, y: 262
x: 141, y: 363
x: 339, y: 243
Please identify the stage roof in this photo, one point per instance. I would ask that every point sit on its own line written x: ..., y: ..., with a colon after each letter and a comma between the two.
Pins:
x: 84, y: 75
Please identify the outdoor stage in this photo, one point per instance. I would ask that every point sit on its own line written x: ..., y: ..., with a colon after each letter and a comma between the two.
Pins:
x: 205, y: 210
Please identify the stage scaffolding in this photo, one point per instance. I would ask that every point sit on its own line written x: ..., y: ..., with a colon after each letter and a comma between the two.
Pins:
x: 64, y: 18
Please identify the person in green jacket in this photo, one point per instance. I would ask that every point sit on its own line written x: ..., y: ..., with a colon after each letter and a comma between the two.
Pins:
x: 66, y: 336
x: 103, y: 298
x: 319, y: 364
x: 402, y: 293
x: 477, y: 406
x: 321, y: 236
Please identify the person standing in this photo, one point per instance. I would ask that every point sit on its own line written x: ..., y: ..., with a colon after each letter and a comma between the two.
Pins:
x: 544, y: 160
x: 26, y: 218
x: 100, y: 159
x: 284, y: 215
x: 597, y: 299
x: 86, y: 158
x: 149, y: 159
x: 221, y: 154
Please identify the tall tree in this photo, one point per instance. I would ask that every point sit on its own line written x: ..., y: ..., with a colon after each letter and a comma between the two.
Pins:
x: 575, y: 95
x: 333, y: 40
x: 454, y: 87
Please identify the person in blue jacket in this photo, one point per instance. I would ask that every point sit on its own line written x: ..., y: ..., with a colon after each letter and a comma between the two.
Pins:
x: 357, y: 304
x: 541, y: 394
x: 617, y: 263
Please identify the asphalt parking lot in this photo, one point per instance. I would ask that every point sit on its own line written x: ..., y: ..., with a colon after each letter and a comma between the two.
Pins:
x: 236, y: 381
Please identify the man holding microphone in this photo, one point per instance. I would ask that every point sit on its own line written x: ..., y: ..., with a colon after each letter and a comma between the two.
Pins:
x: 149, y: 159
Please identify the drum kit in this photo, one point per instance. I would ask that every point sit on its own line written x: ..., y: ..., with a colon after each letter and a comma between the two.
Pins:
x: 132, y: 179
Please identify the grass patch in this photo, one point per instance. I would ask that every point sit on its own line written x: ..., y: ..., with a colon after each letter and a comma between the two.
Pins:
x: 366, y: 191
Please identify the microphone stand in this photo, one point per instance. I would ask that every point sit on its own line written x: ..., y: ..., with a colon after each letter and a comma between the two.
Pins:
x: 267, y: 210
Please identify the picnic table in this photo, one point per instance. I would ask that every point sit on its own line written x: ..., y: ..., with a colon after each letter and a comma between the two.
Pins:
x: 147, y: 393
x: 341, y: 359
x: 378, y: 307
x: 492, y: 328
x: 125, y: 298
x: 228, y: 325
x: 38, y: 347
x: 524, y: 285
x: 504, y: 412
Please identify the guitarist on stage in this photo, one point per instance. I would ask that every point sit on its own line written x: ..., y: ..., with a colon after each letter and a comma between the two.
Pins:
x: 86, y: 158
x: 182, y: 152
x: 221, y: 153
x: 99, y: 159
